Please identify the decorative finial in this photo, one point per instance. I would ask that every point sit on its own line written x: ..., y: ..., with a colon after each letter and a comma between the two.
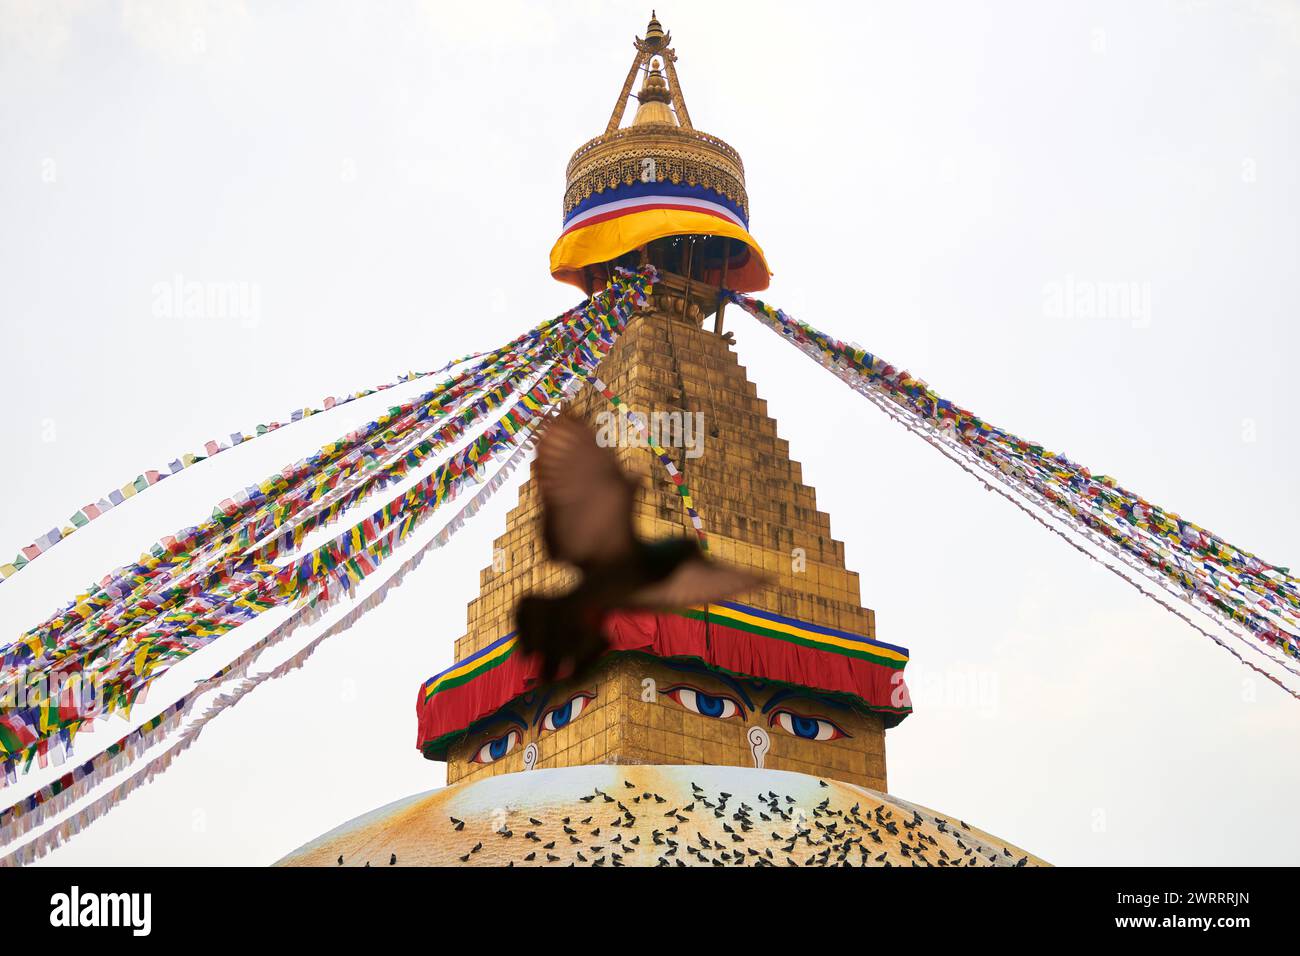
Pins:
x: 654, y: 33
x: 654, y: 90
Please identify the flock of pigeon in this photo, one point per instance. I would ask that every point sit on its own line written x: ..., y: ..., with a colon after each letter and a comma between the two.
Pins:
x: 639, y: 828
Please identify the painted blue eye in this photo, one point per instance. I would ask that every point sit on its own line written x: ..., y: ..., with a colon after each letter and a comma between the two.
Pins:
x: 805, y: 727
x: 809, y: 728
x: 494, y: 750
x: 706, y: 705
x: 709, y: 705
x: 567, y: 713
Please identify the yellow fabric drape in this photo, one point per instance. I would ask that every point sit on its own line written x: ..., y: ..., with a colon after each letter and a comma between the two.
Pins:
x: 607, y: 240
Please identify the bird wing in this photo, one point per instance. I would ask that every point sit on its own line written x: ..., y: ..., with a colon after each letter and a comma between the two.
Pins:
x: 696, y: 581
x: 586, y: 497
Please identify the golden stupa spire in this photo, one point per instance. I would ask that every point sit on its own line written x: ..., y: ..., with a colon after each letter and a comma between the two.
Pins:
x: 657, y: 44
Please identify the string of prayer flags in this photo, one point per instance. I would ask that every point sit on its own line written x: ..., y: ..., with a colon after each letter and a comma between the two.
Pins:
x: 1253, y: 600
x: 150, y: 477
x: 194, y: 586
x: 637, y: 423
x: 49, y: 801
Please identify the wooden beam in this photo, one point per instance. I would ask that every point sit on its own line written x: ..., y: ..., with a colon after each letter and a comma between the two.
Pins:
x: 690, y: 266
x: 722, y: 285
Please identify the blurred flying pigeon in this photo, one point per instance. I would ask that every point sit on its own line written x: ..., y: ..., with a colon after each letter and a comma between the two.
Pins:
x: 587, y: 522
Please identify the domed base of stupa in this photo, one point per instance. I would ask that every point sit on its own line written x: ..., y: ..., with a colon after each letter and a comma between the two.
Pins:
x: 610, y: 815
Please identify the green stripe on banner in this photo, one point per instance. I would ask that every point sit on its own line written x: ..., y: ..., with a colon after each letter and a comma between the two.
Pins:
x: 736, y: 625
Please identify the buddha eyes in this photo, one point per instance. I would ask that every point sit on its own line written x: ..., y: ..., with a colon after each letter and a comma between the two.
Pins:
x: 494, y: 750
x: 809, y: 728
x: 714, y: 706
x: 568, y: 712
x: 707, y: 705
x: 553, y: 720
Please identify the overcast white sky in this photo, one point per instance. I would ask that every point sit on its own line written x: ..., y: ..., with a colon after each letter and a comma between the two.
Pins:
x: 388, y: 178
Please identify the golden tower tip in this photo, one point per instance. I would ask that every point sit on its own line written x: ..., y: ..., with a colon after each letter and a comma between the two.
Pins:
x: 654, y: 32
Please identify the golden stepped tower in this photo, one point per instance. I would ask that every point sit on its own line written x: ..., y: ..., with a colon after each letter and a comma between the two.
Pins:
x: 757, y: 512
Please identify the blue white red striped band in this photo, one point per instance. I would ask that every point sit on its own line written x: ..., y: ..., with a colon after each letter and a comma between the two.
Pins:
x: 638, y: 197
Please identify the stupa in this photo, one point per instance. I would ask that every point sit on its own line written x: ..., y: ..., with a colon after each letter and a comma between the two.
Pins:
x: 749, y: 732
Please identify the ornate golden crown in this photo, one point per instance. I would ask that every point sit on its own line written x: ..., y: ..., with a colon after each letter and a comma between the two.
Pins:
x: 661, y: 144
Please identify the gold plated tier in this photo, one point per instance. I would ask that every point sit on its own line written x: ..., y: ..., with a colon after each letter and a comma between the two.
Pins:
x: 679, y: 156
x: 678, y: 153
